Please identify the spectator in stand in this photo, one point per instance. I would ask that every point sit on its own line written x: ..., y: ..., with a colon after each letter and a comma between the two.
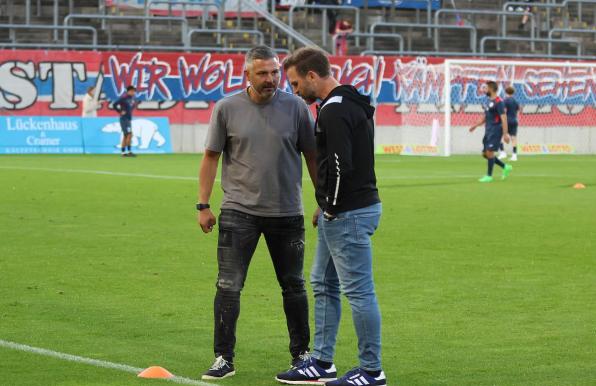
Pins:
x: 527, y: 10
x: 342, y: 29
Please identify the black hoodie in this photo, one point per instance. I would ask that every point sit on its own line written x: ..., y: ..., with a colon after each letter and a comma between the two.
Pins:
x: 345, y: 152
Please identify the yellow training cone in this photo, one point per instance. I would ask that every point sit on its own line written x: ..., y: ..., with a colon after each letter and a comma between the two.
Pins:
x: 579, y: 185
x: 155, y: 372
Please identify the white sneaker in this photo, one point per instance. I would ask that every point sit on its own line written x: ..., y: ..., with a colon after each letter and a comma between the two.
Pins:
x: 514, y: 157
x: 502, y: 155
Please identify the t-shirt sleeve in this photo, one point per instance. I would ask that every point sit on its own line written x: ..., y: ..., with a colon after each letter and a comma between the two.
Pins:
x: 306, y: 129
x: 217, y: 131
x: 500, y: 107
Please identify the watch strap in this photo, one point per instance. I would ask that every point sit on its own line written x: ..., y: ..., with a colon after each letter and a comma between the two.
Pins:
x: 203, y: 206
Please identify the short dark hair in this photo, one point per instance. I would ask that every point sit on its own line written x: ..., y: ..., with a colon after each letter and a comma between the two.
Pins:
x: 307, y: 59
x: 259, y: 52
x: 492, y: 85
x: 133, y: 88
x: 510, y: 90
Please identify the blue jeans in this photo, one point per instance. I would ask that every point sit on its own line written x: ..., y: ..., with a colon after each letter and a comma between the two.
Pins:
x: 344, y: 260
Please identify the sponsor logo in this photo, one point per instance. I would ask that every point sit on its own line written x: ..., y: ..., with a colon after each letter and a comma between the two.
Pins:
x: 42, y: 140
x: 408, y: 149
x: 40, y: 134
x: 36, y: 124
x: 547, y: 149
x: 143, y: 132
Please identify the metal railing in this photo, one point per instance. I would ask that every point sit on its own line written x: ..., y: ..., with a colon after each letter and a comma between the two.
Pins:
x: 204, y: 13
x: 580, y: 13
x: 536, y: 40
x: 429, y: 10
x: 183, y: 21
x: 116, y: 47
x: 325, y: 9
x: 564, y: 31
x: 468, y: 55
x: 250, y: 6
x: 502, y: 15
x: 472, y: 29
x: 548, y: 7
x: 293, y: 34
x: 28, y: 12
x: 54, y: 28
x: 275, y: 22
x: 253, y: 32
x: 370, y: 39
x: 142, y: 47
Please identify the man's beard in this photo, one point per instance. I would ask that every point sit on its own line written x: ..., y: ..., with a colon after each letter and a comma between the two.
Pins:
x: 309, y: 100
x: 261, y: 89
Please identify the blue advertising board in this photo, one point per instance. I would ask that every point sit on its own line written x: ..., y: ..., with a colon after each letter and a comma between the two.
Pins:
x: 149, y: 135
x: 75, y: 135
x: 23, y: 134
x: 411, y: 4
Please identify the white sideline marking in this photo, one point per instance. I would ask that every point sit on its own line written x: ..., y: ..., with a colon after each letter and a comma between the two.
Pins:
x: 104, y: 172
x: 94, y: 362
x: 185, y: 178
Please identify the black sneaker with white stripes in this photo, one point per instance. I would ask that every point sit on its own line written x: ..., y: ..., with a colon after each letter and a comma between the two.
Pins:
x: 308, y: 372
x: 221, y: 368
x: 303, y: 356
x: 359, y: 377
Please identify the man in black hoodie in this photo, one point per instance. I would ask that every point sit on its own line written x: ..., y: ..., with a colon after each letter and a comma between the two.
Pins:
x: 348, y: 198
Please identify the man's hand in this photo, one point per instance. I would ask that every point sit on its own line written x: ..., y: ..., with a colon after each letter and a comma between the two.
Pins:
x: 206, y: 220
x: 315, y: 217
x: 207, y: 173
x: 122, y: 112
x: 506, y: 138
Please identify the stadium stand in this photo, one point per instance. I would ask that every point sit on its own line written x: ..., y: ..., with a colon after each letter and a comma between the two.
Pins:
x: 481, y: 28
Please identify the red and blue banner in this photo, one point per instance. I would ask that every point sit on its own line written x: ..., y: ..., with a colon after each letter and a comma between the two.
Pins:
x: 184, y: 86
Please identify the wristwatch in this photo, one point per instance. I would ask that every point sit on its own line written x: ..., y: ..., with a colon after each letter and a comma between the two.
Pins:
x: 203, y: 206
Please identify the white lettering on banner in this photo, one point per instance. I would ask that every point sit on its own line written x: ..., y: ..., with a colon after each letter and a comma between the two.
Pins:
x: 62, y: 74
x: 17, y: 90
x: 29, y: 124
x: 42, y: 140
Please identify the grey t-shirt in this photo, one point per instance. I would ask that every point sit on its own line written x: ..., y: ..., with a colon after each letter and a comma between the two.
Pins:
x: 261, y: 145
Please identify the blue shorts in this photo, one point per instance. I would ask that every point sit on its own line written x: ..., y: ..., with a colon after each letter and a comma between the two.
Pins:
x: 126, y: 125
x: 491, y: 141
x: 512, y: 129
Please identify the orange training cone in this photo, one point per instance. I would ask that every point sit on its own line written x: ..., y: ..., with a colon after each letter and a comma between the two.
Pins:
x: 155, y: 372
x: 579, y: 185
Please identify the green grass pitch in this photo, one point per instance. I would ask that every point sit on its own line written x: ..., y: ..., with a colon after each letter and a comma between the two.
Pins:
x: 479, y: 284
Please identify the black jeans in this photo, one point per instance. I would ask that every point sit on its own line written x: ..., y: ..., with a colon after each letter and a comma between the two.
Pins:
x: 239, y: 234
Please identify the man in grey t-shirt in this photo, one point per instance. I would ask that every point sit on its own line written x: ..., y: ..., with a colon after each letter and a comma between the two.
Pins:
x: 261, y: 133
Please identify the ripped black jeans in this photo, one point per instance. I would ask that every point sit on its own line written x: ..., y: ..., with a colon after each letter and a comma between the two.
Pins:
x: 239, y: 234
